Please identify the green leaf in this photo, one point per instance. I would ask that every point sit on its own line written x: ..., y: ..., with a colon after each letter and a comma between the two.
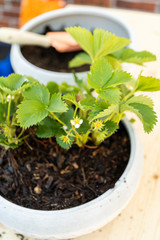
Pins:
x: 70, y: 98
x: 31, y: 112
x: 65, y: 145
x: 52, y: 87
x: 3, y: 112
x: 12, y: 83
x: 111, y: 127
x: 131, y: 56
x: 112, y: 94
x: 79, y: 60
x: 124, y: 91
x: 99, y: 37
x: 141, y: 99
x: 31, y: 79
x: 66, y: 117
x: 84, y: 127
x: 66, y: 88
x: 101, y: 72
x: 146, y: 114
x: 142, y: 106
x: 106, y: 43
x: 86, y: 104
x: 49, y: 128
x: 116, y: 64
x: 6, y: 145
x: 56, y: 104
x: 97, y: 108
x: 118, y: 77
x: 3, y: 141
x: 107, y: 112
x: 148, y: 84
x: 100, y: 44
x: 39, y: 93
x: 84, y: 38
x: 78, y: 81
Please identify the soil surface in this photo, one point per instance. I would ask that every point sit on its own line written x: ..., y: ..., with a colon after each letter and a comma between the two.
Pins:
x: 50, y: 59
x: 47, y: 177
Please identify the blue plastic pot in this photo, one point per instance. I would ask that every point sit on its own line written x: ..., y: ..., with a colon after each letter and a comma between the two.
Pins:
x: 5, y: 64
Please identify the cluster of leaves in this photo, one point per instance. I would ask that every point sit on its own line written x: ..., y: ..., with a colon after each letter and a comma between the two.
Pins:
x: 89, y: 111
x: 105, y: 44
x: 11, y: 89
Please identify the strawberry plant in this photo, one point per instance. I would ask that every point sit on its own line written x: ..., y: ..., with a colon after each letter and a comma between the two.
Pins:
x: 88, y: 112
x: 105, y: 44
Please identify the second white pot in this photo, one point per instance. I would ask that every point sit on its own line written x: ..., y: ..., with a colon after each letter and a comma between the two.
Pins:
x: 88, y: 17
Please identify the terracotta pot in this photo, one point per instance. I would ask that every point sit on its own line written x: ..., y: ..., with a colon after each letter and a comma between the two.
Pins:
x: 88, y: 17
x: 80, y: 220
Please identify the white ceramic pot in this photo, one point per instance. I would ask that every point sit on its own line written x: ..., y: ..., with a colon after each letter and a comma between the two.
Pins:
x: 88, y: 17
x: 77, y: 221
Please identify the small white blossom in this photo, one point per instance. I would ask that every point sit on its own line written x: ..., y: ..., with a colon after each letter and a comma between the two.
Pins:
x: 64, y: 127
x: 72, y: 122
x: 9, y: 97
x: 76, y: 122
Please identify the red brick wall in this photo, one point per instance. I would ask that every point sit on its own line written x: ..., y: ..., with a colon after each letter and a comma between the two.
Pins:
x: 143, y: 5
x: 9, y: 12
x: 104, y: 3
x: 9, y: 9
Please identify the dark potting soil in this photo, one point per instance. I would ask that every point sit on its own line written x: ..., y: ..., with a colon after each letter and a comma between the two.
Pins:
x: 47, y: 177
x: 49, y: 58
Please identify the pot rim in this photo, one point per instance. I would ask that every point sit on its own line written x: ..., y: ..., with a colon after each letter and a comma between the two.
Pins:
x: 87, y: 10
x: 91, y: 204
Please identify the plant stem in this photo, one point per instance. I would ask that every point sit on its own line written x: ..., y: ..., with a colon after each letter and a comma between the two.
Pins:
x: 21, y: 133
x: 2, y: 98
x: 24, y: 137
x: 57, y: 119
x: 129, y: 95
x: 109, y: 118
x: 76, y: 133
x: 8, y: 113
x: 97, y: 98
x: 75, y: 111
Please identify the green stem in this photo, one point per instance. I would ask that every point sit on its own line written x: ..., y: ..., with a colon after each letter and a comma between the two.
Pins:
x: 77, y: 133
x: 24, y: 137
x: 129, y: 95
x: 110, y: 117
x: 2, y: 97
x: 75, y: 111
x: 21, y: 133
x: 57, y: 119
x: 97, y: 98
x: 69, y: 132
x: 9, y: 110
